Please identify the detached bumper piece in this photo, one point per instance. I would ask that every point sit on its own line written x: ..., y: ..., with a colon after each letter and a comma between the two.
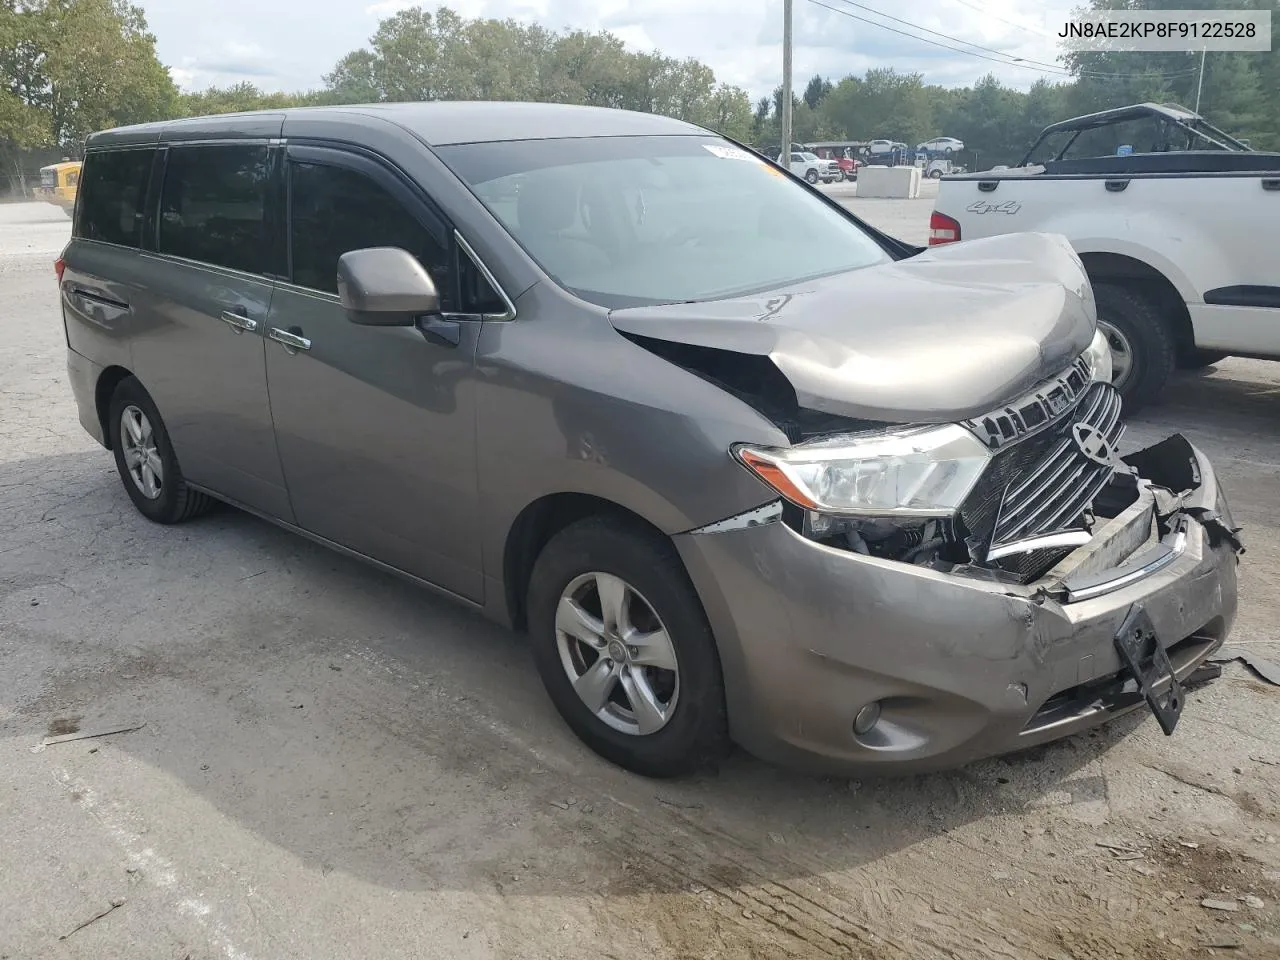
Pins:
x: 1144, y: 656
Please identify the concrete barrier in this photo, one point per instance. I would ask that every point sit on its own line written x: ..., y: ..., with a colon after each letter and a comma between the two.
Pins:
x: 894, y: 183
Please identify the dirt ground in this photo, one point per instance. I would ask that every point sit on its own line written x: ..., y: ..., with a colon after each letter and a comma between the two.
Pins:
x: 335, y: 764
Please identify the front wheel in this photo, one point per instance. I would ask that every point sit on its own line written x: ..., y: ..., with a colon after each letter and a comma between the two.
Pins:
x: 811, y: 176
x: 1143, y: 352
x: 624, y: 648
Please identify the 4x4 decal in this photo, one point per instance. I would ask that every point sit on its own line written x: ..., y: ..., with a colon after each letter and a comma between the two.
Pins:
x: 982, y: 206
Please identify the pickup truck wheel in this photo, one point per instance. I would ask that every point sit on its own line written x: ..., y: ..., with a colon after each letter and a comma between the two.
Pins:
x: 812, y: 176
x: 1143, y: 353
x: 624, y: 648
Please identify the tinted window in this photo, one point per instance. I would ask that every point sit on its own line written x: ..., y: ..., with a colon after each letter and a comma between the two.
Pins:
x: 633, y: 220
x: 214, y: 206
x: 335, y: 210
x: 112, y: 196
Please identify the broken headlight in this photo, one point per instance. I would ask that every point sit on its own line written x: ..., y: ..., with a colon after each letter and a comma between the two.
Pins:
x: 1098, y: 356
x: 903, y: 472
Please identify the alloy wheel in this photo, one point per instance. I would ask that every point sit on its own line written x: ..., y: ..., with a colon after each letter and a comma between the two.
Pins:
x: 617, y: 654
x: 1121, y: 354
x: 140, y: 454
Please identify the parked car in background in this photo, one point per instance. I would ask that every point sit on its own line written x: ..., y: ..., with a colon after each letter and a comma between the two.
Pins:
x: 943, y: 145
x: 1177, y: 223
x: 813, y: 168
x: 843, y: 153
x: 648, y: 409
x: 939, y: 167
x: 59, y: 182
x: 880, y: 147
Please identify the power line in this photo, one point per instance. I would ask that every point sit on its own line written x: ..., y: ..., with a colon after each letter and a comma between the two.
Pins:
x: 976, y: 46
x: 996, y: 16
x: 1003, y: 58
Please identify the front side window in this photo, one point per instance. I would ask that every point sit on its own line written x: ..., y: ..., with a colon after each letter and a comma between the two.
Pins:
x: 214, y: 206
x: 113, y: 196
x: 625, y: 221
x: 336, y: 210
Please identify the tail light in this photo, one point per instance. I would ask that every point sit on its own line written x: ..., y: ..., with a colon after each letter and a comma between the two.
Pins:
x: 58, y: 266
x: 943, y: 229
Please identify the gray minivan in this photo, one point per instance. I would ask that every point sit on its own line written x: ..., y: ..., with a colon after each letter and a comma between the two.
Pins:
x: 743, y: 467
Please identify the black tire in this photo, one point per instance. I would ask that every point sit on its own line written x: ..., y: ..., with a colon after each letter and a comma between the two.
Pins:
x: 696, y: 736
x: 811, y: 176
x: 176, y: 501
x: 1194, y: 359
x: 1153, y: 351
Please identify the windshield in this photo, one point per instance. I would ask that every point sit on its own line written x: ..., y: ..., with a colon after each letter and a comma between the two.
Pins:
x: 629, y: 221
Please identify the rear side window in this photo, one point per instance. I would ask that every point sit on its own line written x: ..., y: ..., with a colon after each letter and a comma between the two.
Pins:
x: 113, y: 195
x: 335, y: 210
x: 214, y: 206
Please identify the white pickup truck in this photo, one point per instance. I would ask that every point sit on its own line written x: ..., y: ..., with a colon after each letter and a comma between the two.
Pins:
x: 1176, y: 222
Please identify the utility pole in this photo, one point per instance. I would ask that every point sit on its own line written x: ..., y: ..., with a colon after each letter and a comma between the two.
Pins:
x: 784, y: 157
x: 1199, y: 86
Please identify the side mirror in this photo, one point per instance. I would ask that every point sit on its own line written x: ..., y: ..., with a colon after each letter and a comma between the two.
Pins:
x: 385, y: 287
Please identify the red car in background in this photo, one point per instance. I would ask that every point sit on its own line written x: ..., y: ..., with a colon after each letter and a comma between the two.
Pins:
x: 844, y: 153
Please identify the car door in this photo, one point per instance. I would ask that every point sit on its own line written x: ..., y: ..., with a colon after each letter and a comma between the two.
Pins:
x: 199, y: 317
x: 375, y: 425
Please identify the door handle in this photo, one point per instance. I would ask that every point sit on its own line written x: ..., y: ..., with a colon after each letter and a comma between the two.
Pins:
x: 291, y: 341
x: 239, y: 322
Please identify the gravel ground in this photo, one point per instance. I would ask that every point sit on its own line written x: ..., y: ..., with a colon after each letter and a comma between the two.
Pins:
x: 335, y: 764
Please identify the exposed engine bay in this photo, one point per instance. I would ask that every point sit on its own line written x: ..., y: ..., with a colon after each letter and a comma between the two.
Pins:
x: 1054, y: 479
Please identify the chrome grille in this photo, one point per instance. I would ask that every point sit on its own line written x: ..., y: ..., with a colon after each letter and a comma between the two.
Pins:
x: 1044, y: 484
x: 1032, y: 412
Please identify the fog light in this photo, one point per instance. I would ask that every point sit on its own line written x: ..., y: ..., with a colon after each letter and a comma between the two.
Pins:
x: 866, y: 719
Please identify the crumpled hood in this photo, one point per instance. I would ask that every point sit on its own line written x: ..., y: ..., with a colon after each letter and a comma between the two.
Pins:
x: 948, y: 334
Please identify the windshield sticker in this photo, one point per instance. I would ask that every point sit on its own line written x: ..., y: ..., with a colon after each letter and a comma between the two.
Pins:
x: 729, y: 153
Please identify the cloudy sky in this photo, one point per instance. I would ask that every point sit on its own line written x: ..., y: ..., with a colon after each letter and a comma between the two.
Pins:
x: 290, y: 44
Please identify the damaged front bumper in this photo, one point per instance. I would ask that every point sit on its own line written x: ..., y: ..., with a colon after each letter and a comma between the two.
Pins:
x: 959, y: 665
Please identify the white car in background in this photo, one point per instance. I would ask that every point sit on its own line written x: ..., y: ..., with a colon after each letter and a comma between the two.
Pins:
x: 943, y: 145
x: 877, y: 147
x: 813, y: 168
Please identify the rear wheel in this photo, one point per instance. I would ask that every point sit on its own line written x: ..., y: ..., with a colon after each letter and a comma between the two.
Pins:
x: 145, y: 459
x: 1143, y: 353
x: 624, y: 648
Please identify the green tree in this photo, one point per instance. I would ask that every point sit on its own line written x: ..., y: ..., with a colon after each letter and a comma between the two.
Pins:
x: 1239, y: 88
x: 80, y: 66
x: 235, y: 99
x: 418, y: 54
x: 816, y: 91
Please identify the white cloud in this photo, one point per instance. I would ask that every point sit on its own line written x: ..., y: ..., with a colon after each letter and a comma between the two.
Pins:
x: 741, y: 42
x: 385, y: 8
